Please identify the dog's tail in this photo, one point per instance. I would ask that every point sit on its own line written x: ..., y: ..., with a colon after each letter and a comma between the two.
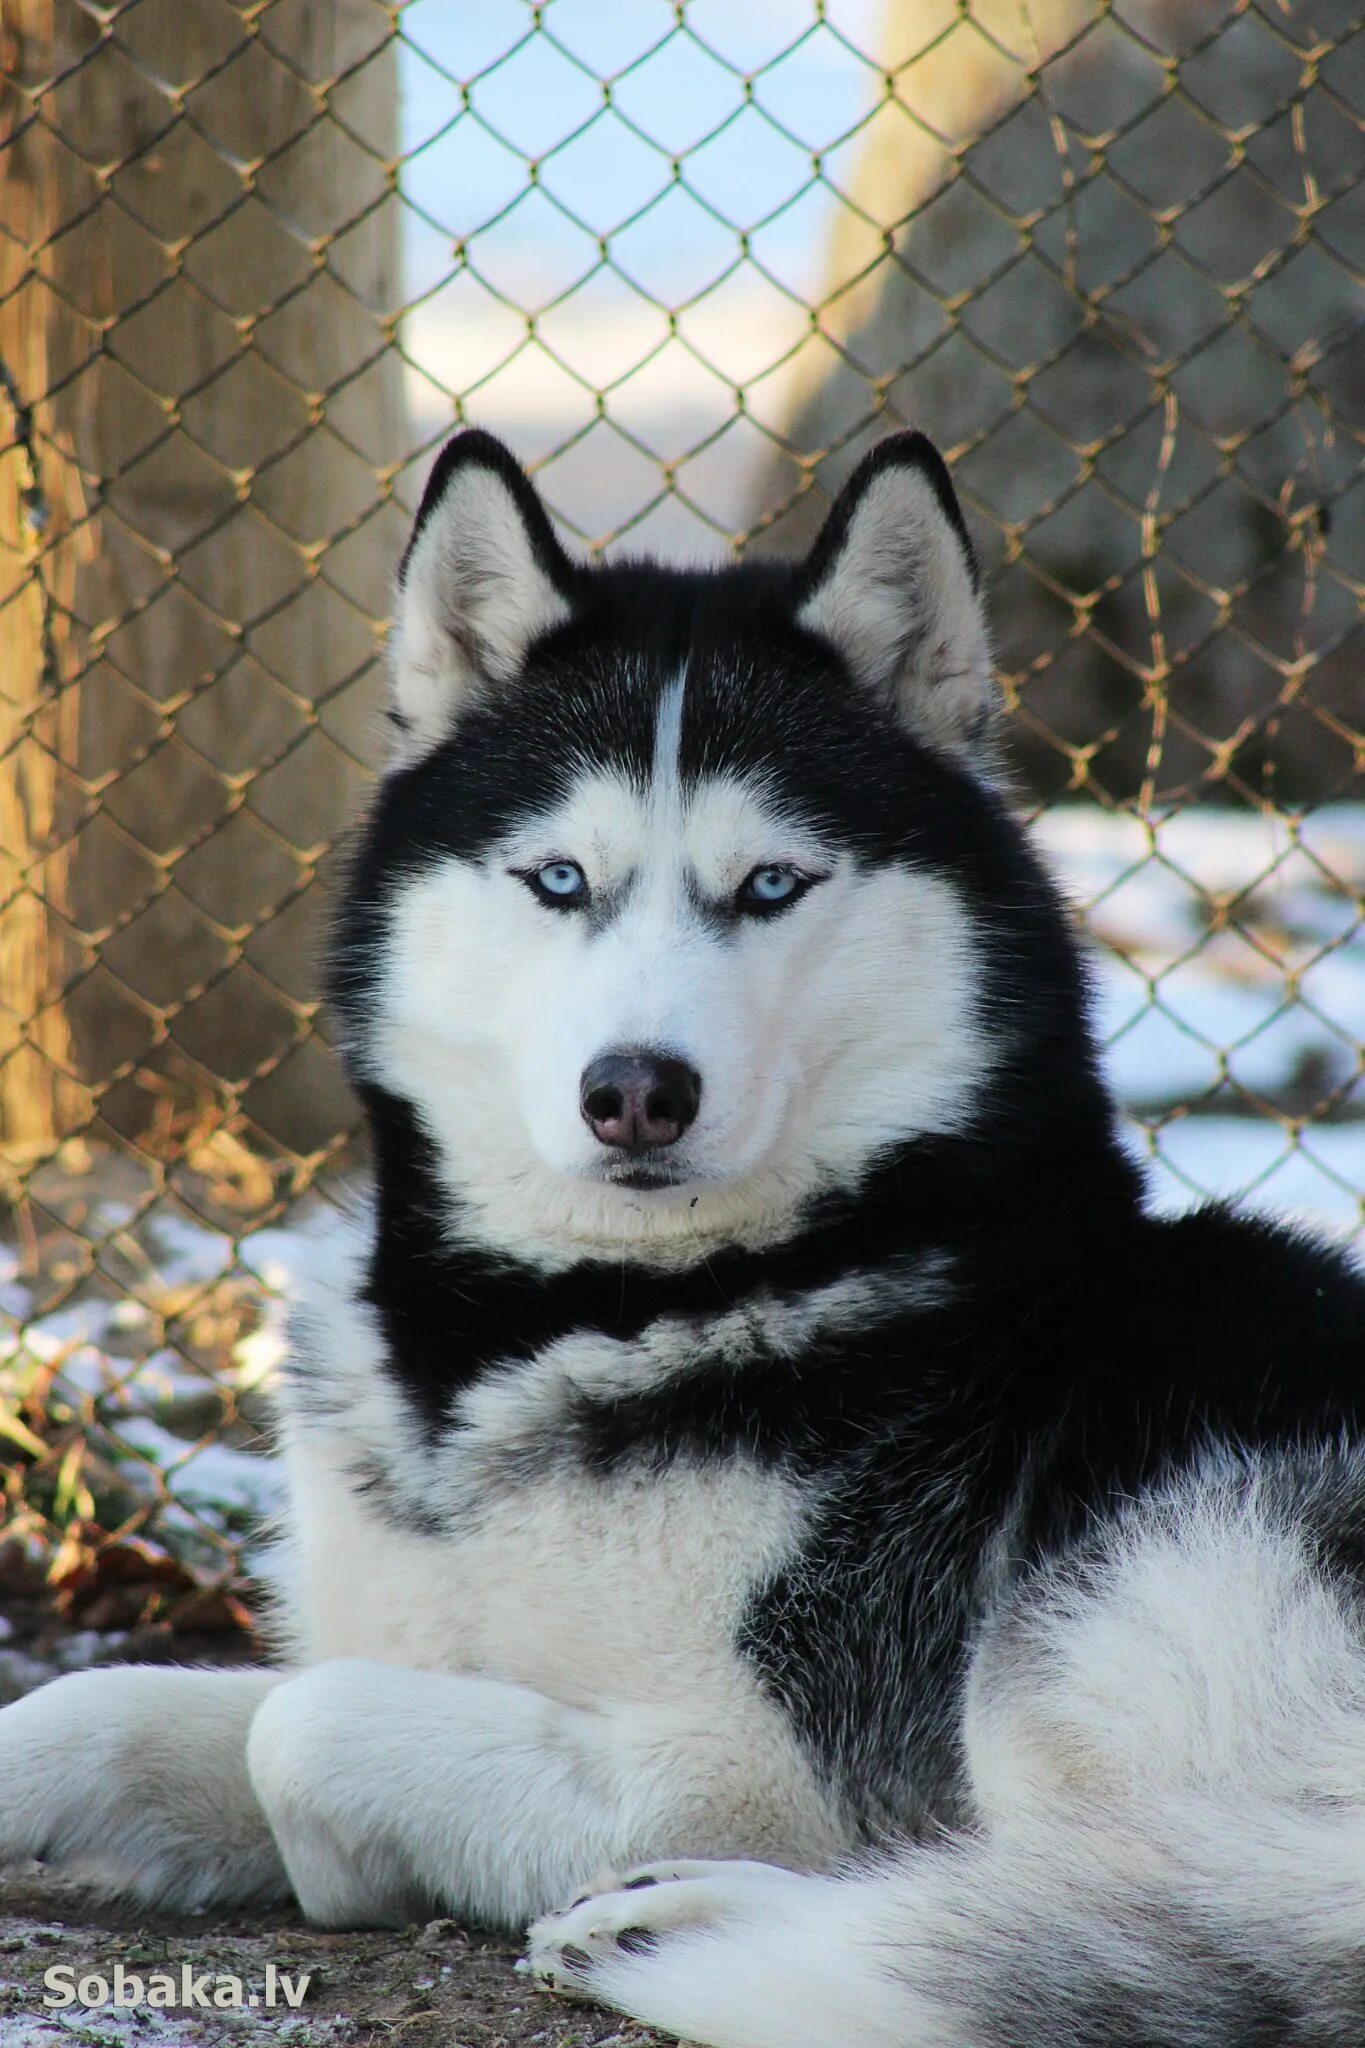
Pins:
x: 1084, y: 1936
x: 1165, y: 1734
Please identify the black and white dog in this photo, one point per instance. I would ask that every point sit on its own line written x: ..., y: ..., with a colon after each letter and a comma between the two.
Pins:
x: 756, y: 1429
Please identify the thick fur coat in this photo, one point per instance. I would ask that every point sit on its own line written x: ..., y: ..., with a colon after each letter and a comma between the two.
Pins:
x: 768, y: 1505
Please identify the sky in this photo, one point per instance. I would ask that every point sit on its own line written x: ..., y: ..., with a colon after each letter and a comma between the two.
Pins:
x: 539, y: 95
x: 684, y: 162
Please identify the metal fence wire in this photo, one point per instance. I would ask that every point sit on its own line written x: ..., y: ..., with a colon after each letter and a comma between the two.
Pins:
x: 257, y: 256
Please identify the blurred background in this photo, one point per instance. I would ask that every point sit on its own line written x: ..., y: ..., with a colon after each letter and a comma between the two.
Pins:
x: 258, y: 256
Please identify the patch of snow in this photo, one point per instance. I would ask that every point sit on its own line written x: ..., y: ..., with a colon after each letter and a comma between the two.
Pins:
x: 273, y: 1254
x: 76, y: 1323
x: 187, y: 1252
x: 258, y: 1356
x: 125, y: 1386
x: 207, y: 1478
x: 129, y: 1314
x: 20, y: 1674
x: 15, y: 1301
x: 1166, y: 1045
x: 1229, y: 953
x: 85, y: 1646
x: 147, y: 2027
x: 1252, y: 1160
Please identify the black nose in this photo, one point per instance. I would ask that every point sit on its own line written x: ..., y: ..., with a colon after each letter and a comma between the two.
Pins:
x: 639, y: 1100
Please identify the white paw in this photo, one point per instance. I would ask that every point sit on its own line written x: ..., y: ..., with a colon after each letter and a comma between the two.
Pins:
x: 63, y: 1761
x: 135, y: 1779
x: 629, y: 1915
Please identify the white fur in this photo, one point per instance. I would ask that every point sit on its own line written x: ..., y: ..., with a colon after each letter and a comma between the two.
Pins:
x: 136, y: 1780
x: 602, y: 1706
x: 666, y: 780
x: 1184, y: 1735
x: 391, y: 1791
x: 746, y: 1954
x: 550, y: 1584
x: 1208, y: 1652
x: 899, y: 603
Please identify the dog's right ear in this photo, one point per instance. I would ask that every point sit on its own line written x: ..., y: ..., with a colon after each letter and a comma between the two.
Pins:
x: 891, y: 584
x: 483, y: 576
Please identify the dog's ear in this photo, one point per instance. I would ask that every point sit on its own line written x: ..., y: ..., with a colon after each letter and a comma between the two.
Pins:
x: 891, y: 583
x: 483, y: 576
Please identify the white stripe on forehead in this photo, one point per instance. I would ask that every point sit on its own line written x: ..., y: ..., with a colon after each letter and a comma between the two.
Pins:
x: 666, y: 773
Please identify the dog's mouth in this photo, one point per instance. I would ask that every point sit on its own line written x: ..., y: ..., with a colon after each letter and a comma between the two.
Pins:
x: 644, y: 1173
x: 644, y: 1179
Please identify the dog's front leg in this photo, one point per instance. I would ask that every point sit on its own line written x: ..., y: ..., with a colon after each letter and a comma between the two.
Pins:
x: 393, y: 1793
x: 135, y: 1779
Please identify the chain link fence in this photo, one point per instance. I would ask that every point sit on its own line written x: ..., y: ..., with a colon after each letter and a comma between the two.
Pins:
x: 257, y: 256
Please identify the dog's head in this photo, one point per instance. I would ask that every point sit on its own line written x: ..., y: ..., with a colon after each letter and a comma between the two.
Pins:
x: 668, y: 916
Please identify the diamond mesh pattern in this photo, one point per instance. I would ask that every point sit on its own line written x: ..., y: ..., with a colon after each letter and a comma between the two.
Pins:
x: 692, y: 260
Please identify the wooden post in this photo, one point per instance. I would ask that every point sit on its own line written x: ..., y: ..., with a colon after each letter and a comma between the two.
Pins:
x: 198, y: 263
x: 41, y: 504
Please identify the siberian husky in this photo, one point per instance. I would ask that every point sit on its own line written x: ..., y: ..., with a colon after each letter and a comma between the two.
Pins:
x: 768, y: 1504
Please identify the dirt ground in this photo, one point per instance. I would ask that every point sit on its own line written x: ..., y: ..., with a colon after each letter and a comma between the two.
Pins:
x: 438, y: 1986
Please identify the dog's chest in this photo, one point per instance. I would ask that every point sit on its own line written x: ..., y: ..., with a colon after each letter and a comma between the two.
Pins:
x: 635, y: 1581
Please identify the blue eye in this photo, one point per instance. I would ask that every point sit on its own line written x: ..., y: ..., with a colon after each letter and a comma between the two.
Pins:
x: 771, y: 888
x: 561, y: 883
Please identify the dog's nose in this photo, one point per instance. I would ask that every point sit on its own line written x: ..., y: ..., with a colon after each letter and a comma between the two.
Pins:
x: 639, y: 1100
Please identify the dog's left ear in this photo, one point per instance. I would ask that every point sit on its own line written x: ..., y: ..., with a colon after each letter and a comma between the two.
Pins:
x: 482, y: 578
x: 891, y: 583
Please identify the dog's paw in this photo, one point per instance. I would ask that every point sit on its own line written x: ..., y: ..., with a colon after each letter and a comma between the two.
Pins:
x: 632, y: 1913
x: 47, y: 1746
x: 643, y: 1875
x: 564, y: 1948
x: 135, y: 1780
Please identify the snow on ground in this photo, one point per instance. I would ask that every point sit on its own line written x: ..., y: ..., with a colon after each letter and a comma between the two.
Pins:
x: 141, y: 2027
x: 1230, y: 982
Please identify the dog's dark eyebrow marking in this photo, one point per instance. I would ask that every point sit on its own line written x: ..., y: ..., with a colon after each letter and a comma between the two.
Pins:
x: 605, y: 905
x: 717, y: 913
